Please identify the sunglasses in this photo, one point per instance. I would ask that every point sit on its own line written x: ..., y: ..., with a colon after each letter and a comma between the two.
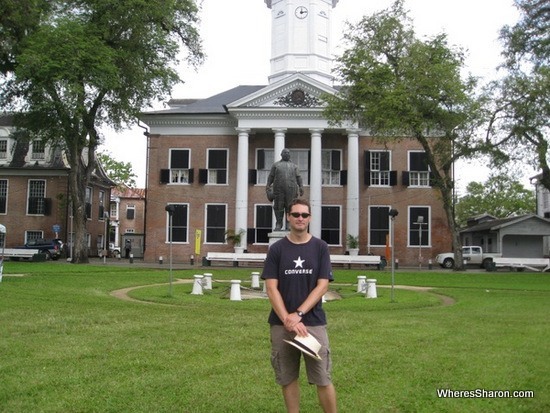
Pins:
x: 298, y: 214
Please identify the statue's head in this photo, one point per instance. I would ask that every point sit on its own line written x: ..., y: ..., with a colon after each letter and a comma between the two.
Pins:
x: 285, y: 154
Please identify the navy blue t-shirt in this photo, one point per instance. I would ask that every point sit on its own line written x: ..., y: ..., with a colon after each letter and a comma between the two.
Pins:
x: 297, y: 267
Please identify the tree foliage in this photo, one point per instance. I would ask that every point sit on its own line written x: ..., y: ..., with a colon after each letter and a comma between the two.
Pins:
x: 78, y: 65
x: 396, y: 85
x: 520, y: 125
x: 119, y: 172
x: 500, y: 196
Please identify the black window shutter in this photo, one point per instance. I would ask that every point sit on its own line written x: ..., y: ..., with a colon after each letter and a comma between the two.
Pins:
x: 47, y: 206
x: 344, y: 177
x: 367, y: 168
x: 405, y: 178
x: 252, y: 176
x: 203, y: 176
x: 393, y: 178
x: 191, y: 176
x: 165, y: 176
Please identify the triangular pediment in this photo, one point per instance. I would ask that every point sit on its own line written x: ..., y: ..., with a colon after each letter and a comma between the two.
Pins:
x: 297, y: 91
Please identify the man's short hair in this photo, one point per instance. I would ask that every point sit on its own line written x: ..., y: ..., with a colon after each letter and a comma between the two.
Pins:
x: 299, y: 201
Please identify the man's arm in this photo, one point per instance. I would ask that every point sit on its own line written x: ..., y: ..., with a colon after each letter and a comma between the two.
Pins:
x: 293, y: 320
x: 275, y: 298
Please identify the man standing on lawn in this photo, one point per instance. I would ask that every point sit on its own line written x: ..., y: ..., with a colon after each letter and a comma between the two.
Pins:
x: 297, y: 272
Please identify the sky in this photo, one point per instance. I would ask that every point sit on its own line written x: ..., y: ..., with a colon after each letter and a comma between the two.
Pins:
x: 236, y: 38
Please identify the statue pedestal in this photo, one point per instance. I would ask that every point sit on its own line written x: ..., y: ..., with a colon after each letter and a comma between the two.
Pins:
x: 276, y: 236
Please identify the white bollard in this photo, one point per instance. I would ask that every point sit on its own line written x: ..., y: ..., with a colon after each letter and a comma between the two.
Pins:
x: 255, y: 280
x: 207, y: 283
x: 371, y: 288
x: 197, y: 285
x: 361, y: 283
x: 235, y: 290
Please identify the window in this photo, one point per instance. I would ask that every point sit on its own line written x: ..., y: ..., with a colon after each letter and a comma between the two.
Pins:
x: 38, y: 150
x: 379, y: 168
x: 88, y: 203
x: 215, y: 223
x: 180, y: 225
x: 36, y: 204
x: 264, y: 223
x: 130, y: 212
x: 331, y: 161
x: 379, y: 225
x: 100, y: 245
x: 3, y: 148
x: 264, y: 162
x: 301, y: 158
x: 179, y: 166
x: 330, y: 225
x: 3, y: 196
x: 33, y: 235
x: 419, y: 229
x: 101, y: 201
x: 217, y: 166
x: 419, y: 172
x: 114, y: 211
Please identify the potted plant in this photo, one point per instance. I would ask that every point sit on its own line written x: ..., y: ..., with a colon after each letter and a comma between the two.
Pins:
x: 235, y: 237
x: 353, y: 244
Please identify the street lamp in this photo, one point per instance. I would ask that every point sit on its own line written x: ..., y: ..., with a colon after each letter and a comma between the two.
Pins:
x: 170, y: 209
x: 420, y: 222
x: 392, y: 213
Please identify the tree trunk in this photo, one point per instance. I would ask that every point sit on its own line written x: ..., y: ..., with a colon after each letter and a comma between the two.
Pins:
x: 447, y: 195
x: 77, y: 185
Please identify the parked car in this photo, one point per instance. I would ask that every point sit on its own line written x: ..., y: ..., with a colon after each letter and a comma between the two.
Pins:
x: 113, y: 251
x: 470, y: 254
x: 52, y: 248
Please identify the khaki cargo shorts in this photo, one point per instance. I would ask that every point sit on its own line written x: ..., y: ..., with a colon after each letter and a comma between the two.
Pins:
x: 285, y: 358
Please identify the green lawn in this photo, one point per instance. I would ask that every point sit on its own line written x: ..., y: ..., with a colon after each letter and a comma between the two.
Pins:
x: 67, y: 345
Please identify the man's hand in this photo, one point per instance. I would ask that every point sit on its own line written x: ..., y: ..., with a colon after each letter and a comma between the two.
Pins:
x: 293, y: 322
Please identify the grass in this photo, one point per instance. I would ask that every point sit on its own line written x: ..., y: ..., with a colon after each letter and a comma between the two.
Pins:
x: 67, y: 345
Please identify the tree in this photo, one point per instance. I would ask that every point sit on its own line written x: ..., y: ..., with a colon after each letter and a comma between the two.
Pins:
x: 85, y: 64
x: 398, y: 87
x: 119, y: 172
x: 520, y: 124
x: 500, y: 196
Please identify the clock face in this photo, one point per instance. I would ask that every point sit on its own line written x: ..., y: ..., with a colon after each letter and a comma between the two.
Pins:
x: 301, y: 12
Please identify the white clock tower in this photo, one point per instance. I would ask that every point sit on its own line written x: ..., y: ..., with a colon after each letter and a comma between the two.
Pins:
x: 300, y: 39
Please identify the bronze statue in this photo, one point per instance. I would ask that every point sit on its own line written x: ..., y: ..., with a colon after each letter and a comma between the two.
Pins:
x: 284, y: 183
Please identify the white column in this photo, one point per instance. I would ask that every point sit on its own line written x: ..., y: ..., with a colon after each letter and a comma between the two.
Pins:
x: 279, y: 143
x: 241, y: 198
x: 315, y: 183
x: 352, y: 202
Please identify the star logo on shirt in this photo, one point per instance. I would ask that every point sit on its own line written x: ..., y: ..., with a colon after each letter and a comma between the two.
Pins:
x: 299, y: 262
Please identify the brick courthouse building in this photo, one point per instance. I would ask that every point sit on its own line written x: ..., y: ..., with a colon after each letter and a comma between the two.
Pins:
x: 210, y: 159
